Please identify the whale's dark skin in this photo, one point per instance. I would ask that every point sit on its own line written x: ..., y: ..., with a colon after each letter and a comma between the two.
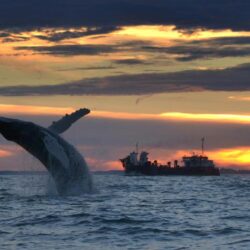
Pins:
x: 62, y: 160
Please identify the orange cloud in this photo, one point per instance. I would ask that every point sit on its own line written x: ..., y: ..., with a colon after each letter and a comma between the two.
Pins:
x: 6, y: 109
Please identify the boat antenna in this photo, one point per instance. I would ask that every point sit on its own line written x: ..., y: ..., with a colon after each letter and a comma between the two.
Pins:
x: 202, y: 145
x: 136, y: 148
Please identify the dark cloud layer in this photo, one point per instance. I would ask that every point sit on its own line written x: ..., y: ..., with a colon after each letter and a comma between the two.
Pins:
x: 183, y: 51
x: 4, y: 34
x: 230, y: 79
x: 101, y: 13
x: 70, y: 50
x: 87, y: 68
x: 191, y: 52
x: 132, y: 61
x: 222, y: 41
x: 59, y: 36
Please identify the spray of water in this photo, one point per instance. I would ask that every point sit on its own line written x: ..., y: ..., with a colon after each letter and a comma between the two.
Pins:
x: 71, y: 163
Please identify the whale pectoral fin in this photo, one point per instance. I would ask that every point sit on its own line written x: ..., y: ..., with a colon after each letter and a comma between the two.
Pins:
x: 65, y: 122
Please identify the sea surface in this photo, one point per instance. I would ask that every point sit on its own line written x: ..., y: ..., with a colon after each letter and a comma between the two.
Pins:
x: 127, y: 212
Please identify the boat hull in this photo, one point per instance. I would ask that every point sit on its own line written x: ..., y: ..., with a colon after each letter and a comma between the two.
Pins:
x: 192, y: 171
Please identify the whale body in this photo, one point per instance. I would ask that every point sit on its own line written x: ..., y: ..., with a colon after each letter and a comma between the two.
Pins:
x: 64, y: 163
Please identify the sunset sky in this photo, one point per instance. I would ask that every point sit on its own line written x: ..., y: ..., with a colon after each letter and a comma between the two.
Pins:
x: 161, y: 73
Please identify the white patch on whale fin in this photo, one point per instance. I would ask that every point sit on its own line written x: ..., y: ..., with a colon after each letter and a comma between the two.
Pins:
x: 55, y: 149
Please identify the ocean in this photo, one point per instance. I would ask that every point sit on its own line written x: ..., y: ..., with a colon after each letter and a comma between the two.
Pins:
x: 127, y: 212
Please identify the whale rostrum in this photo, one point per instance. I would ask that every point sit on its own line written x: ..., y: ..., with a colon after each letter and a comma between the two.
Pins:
x: 64, y: 163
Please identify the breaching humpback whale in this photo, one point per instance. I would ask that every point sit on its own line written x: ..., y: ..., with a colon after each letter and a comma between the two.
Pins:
x: 64, y: 163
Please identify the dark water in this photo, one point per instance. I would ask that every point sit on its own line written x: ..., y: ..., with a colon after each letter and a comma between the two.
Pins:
x: 127, y: 213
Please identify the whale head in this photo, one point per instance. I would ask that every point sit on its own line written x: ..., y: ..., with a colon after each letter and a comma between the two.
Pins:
x: 15, y: 130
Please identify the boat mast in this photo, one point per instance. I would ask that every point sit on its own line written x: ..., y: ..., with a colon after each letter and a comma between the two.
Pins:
x: 137, y: 148
x: 202, y: 145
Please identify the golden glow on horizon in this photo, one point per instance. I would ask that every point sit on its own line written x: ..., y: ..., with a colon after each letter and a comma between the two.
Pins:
x: 238, y: 157
x: 234, y: 156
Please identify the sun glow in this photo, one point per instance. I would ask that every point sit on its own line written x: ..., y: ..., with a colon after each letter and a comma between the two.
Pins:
x: 240, y: 98
x: 5, y: 153
x: 176, y: 116
x: 239, y: 156
x: 224, y: 118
